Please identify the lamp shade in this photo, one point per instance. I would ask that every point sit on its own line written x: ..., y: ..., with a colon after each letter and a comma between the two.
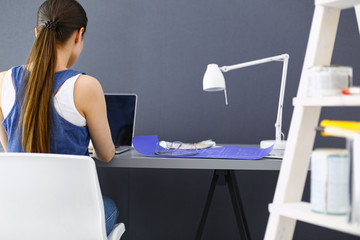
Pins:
x: 213, y: 79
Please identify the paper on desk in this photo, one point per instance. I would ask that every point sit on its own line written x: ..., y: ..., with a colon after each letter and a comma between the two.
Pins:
x: 146, y: 145
x: 187, y: 146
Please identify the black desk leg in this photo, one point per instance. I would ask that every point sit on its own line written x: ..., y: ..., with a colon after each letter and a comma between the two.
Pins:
x: 237, y: 205
x: 230, y: 180
x: 207, y: 205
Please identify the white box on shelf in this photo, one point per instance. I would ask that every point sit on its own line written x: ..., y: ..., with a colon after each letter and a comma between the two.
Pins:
x: 330, y: 180
x: 328, y: 80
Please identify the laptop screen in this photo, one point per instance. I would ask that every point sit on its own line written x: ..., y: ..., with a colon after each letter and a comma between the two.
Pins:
x: 121, y: 112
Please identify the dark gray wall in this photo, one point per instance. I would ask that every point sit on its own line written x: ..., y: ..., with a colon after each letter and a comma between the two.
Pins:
x: 159, y: 49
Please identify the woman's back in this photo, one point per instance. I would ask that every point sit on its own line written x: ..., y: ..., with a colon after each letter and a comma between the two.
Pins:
x: 66, y: 136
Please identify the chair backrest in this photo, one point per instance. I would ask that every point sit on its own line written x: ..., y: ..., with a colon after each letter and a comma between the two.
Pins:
x: 50, y: 196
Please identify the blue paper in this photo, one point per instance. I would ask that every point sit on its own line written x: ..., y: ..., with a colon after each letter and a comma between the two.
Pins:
x: 147, y: 145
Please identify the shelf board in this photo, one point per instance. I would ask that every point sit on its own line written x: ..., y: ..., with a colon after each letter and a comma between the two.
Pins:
x: 340, y: 4
x: 301, y: 211
x: 343, y: 100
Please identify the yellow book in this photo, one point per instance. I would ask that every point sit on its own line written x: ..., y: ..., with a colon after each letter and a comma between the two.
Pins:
x: 349, y: 125
x: 337, y: 132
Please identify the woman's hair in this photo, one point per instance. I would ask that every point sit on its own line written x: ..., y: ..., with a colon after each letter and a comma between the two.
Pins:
x: 57, y: 20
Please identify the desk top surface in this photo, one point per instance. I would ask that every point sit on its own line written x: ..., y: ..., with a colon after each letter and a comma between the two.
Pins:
x: 133, y: 159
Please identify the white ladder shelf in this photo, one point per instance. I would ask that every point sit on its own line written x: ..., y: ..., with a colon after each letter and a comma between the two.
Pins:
x: 287, y: 207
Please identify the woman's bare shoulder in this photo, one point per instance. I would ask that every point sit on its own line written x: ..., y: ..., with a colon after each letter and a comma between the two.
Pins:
x: 2, y: 75
x: 88, y: 82
x: 87, y: 86
x: 87, y: 93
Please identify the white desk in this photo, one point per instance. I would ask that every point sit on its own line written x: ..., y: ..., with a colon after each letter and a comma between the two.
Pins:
x: 133, y: 159
x: 223, y: 168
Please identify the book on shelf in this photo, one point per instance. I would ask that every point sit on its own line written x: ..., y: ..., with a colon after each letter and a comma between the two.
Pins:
x: 333, y: 128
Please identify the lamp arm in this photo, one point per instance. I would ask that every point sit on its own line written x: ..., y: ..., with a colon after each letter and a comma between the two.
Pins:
x: 281, y: 57
x: 284, y: 58
x: 278, y: 122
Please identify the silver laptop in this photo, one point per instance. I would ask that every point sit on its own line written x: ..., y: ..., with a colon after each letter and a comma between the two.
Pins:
x: 121, y: 113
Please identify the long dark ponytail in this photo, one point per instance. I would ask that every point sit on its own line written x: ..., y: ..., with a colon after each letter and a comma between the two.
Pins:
x: 56, y: 22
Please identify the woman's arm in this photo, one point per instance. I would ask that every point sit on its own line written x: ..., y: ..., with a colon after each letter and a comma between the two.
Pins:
x: 90, y: 102
x: 3, y: 135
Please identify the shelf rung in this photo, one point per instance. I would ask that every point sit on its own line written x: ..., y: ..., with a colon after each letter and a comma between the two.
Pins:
x: 343, y: 100
x: 340, y: 4
x: 302, y: 211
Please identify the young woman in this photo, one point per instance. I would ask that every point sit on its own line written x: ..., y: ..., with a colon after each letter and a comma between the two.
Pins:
x: 46, y: 107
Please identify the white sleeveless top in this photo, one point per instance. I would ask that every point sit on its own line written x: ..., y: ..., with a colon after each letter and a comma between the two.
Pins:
x: 63, y: 100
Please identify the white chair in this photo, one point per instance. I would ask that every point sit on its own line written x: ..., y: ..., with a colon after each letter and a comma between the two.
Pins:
x: 50, y: 196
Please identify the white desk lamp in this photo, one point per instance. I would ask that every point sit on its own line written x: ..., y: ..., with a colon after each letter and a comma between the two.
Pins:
x: 214, y: 81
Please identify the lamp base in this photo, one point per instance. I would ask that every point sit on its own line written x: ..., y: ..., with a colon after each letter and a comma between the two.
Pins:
x: 278, y: 145
x: 278, y: 150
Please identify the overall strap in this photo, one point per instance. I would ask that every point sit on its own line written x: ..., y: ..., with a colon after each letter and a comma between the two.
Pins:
x: 59, y: 78
x: 62, y: 76
x: 17, y: 75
